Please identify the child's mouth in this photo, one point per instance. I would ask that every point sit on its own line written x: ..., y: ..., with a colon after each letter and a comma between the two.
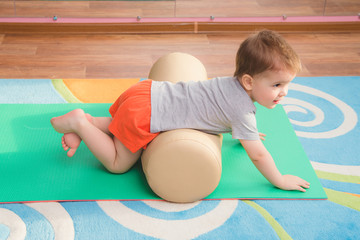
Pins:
x: 276, y: 101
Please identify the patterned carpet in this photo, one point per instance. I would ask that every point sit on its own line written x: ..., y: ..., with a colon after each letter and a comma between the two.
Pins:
x: 324, y: 113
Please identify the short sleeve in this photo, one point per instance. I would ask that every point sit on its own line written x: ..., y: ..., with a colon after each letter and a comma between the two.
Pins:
x: 245, y: 128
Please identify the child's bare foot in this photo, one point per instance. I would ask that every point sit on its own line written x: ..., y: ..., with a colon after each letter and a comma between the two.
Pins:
x: 67, y: 123
x: 70, y: 141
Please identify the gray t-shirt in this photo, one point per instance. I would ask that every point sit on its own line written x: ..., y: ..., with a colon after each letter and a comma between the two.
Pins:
x: 218, y: 105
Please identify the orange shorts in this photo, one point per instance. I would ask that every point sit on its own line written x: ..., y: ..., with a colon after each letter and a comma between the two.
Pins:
x: 131, y: 114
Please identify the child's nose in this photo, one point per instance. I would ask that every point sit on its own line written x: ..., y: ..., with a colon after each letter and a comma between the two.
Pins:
x: 284, y: 92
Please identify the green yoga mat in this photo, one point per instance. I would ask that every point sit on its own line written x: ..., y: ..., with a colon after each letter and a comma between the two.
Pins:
x: 34, y: 167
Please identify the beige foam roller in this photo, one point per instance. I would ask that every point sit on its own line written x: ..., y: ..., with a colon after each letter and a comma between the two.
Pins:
x: 178, y: 67
x: 182, y: 165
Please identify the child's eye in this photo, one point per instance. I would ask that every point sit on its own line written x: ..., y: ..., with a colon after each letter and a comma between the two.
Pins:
x: 277, y: 85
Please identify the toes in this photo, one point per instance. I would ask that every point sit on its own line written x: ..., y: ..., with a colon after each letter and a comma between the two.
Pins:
x: 63, y: 144
x: 63, y: 141
x: 71, y: 152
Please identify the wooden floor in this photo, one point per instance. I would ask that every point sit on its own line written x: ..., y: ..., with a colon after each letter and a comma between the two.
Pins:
x: 131, y: 56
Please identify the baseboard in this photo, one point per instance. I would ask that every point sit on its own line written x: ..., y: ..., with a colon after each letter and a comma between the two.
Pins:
x: 175, y: 27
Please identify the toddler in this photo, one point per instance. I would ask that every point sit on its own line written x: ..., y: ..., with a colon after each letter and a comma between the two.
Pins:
x: 265, y: 65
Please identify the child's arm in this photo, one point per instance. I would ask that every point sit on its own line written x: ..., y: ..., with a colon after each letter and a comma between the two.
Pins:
x: 266, y: 165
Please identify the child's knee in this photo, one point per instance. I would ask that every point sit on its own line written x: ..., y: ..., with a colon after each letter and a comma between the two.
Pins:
x: 118, y: 168
x: 124, y: 158
x: 123, y: 163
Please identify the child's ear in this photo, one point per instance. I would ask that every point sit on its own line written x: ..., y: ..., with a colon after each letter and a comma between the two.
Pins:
x: 247, y: 82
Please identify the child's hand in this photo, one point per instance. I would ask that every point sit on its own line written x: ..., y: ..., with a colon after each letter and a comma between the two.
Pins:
x: 262, y: 136
x: 294, y: 183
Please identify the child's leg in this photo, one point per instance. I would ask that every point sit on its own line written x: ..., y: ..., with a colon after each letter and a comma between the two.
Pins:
x: 71, y: 141
x: 107, y: 149
x: 101, y: 122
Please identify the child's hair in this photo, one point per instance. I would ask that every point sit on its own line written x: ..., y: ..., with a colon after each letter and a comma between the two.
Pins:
x: 264, y: 51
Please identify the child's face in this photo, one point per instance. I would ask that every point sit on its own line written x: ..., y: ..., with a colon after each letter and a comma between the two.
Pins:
x: 270, y: 87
